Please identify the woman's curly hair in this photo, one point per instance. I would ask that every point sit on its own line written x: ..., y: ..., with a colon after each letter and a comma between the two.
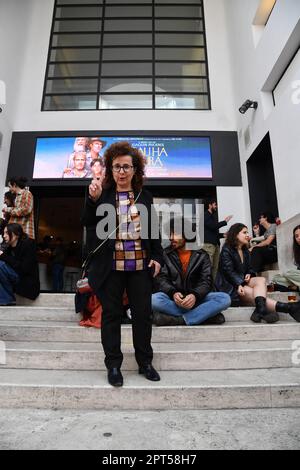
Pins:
x: 119, y: 149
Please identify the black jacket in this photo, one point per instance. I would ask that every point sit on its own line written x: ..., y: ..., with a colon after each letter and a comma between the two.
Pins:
x: 211, y: 228
x: 23, y: 259
x: 101, y: 263
x: 232, y: 271
x: 198, y: 278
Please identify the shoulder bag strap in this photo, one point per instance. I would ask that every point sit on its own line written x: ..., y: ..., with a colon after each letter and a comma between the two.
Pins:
x: 92, y: 253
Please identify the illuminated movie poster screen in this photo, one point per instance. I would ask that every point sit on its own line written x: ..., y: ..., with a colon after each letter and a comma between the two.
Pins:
x: 167, y: 157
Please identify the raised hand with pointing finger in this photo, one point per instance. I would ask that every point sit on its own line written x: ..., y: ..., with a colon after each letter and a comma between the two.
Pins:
x: 95, y: 189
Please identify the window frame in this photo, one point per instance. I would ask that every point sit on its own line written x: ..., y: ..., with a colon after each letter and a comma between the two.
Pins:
x: 102, y: 47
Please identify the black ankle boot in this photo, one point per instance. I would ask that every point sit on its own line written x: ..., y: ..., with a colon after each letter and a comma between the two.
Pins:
x: 260, y: 303
x: 293, y: 308
x: 114, y: 376
x: 161, y: 319
x: 262, y: 312
x: 149, y: 372
x: 255, y: 317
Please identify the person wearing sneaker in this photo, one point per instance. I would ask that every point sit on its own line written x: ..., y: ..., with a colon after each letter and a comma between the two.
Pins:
x: 184, y: 286
x: 19, y: 272
x: 238, y: 279
x: 129, y: 259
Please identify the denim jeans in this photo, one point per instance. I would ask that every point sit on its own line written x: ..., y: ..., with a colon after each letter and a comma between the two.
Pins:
x: 58, y: 277
x: 213, y: 303
x: 8, y: 280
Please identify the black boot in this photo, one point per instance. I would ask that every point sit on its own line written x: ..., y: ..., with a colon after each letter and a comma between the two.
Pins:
x: 255, y: 317
x: 262, y: 312
x: 114, y: 376
x: 293, y: 308
x: 218, y: 319
x: 161, y: 319
x: 149, y: 372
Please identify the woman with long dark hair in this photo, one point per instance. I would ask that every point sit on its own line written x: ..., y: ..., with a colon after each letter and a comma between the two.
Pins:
x: 127, y: 259
x: 291, y: 278
x: 19, y: 271
x: 237, y: 277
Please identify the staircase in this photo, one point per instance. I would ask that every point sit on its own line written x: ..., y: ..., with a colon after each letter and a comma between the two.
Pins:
x: 53, y: 363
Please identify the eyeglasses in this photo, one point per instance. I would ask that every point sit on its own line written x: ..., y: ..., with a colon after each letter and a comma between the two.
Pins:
x: 117, y: 168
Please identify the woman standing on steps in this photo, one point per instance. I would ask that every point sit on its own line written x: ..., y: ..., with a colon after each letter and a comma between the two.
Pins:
x: 128, y: 259
x: 237, y: 278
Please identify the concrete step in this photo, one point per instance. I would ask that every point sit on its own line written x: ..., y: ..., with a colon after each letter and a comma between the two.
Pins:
x: 67, y: 314
x: 48, y: 300
x: 236, y: 365
x: 32, y: 313
x: 263, y: 388
x: 21, y: 330
x: 67, y: 300
x: 168, y: 356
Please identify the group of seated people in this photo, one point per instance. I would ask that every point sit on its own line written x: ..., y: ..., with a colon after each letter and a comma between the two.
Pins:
x: 185, y: 292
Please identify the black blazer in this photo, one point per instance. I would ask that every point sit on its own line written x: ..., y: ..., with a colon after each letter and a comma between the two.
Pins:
x: 101, y: 263
x: 197, y: 280
x: 23, y: 259
x: 232, y: 271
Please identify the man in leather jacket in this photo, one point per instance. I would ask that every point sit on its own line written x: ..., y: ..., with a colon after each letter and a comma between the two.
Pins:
x: 184, y: 288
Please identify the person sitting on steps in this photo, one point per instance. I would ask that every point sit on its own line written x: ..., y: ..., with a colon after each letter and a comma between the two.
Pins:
x: 184, y: 287
x: 290, y: 280
x: 19, y: 271
x: 237, y: 277
x: 265, y: 252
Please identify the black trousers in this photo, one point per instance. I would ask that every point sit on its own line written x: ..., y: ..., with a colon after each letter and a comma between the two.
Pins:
x: 138, y: 285
x: 261, y: 256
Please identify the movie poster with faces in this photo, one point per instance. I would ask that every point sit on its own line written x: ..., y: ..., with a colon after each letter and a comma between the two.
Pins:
x: 83, y: 157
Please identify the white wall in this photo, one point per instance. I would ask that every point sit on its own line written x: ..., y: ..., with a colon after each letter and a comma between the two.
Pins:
x: 35, y: 43
x: 231, y: 202
x: 256, y: 70
x: 284, y: 127
x: 284, y: 235
x: 222, y: 116
x: 14, y: 24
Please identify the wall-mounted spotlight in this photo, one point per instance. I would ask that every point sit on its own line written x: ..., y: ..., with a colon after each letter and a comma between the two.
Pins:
x: 246, y: 105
